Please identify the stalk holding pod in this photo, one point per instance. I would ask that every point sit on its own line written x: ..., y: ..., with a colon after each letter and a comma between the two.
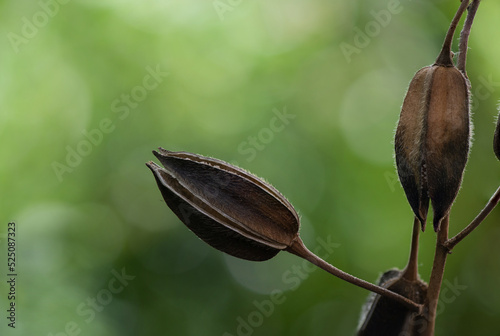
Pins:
x: 433, y: 135
x: 238, y: 213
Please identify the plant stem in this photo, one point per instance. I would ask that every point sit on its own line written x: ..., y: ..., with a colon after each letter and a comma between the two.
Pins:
x: 444, y: 57
x: 464, y: 36
x: 431, y: 302
x: 492, y: 203
x: 410, y: 272
x: 298, y: 248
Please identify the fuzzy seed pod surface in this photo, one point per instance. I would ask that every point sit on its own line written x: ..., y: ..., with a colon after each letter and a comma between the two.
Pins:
x: 226, y: 206
x: 432, y: 140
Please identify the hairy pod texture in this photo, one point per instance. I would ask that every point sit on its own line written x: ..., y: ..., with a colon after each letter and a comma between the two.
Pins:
x: 225, y: 206
x: 432, y: 140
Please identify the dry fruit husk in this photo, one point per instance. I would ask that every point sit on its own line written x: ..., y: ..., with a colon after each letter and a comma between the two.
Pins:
x: 433, y: 136
x: 227, y: 207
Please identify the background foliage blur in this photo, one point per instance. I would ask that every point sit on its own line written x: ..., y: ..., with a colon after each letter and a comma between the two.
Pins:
x: 233, y: 67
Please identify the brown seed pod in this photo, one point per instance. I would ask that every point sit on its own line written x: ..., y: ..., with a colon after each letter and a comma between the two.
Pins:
x: 432, y: 140
x: 227, y: 207
x: 383, y: 316
x: 433, y: 134
x: 496, y: 139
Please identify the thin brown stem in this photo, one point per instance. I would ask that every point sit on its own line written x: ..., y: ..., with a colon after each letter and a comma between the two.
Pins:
x: 431, y: 302
x: 492, y: 203
x: 444, y: 57
x: 410, y: 272
x: 298, y: 248
x: 464, y: 35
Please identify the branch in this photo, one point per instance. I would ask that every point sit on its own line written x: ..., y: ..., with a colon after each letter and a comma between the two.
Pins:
x: 436, y: 279
x: 410, y: 272
x: 464, y: 35
x: 298, y: 248
x: 444, y: 57
x: 492, y: 203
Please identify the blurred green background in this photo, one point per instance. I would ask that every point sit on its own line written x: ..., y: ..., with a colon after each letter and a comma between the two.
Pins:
x: 89, y: 88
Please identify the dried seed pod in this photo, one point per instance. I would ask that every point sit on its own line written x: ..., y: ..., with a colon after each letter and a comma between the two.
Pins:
x: 432, y: 140
x: 433, y: 134
x: 383, y: 316
x: 227, y: 207
x: 496, y: 139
